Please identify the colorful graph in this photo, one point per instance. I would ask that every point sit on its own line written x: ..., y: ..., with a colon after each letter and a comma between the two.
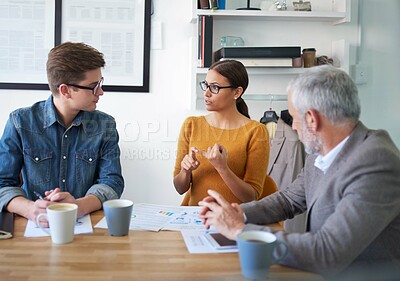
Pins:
x: 165, y: 213
x: 188, y: 218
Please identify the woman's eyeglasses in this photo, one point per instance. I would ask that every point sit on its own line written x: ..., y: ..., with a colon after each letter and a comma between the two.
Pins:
x: 214, y: 89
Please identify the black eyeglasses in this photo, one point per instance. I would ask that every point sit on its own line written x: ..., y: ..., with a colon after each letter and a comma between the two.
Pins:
x: 214, y: 89
x: 94, y: 89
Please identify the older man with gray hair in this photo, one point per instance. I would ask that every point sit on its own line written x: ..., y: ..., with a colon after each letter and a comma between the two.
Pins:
x: 349, y: 187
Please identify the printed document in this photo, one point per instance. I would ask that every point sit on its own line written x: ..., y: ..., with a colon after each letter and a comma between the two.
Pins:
x: 197, y: 243
x: 83, y: 225
x: 155, y: 217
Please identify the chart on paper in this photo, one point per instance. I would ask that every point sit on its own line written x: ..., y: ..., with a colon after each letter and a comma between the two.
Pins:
x: 156, y: 217
x: 188, y: 219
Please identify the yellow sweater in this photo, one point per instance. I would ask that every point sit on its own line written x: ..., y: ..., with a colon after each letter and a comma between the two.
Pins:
x: 248, y: 154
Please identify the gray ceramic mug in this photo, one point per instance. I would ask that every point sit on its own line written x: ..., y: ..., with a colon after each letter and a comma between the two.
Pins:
x: 256, y: 253
x: 118, y: 214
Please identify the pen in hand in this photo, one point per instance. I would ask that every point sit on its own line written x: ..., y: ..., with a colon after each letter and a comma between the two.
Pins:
x: 38, y: 195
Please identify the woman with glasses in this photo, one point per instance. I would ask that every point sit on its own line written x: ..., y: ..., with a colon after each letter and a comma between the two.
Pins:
x: 225, y: 150
x: 64, y: 149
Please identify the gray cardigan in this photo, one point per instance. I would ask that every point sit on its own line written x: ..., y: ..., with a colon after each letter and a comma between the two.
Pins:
x: 353, y: 211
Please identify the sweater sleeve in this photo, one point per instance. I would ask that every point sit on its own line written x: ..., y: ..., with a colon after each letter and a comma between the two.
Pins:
x: 183, y: 144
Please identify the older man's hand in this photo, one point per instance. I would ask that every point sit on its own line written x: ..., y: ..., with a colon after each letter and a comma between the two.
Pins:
x: 226, y: 217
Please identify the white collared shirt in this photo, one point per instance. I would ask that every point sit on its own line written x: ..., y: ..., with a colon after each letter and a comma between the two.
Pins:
x: 324, y: 162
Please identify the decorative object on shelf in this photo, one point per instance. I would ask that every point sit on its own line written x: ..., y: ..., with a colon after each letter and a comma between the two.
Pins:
x: 309, y: 57
x: 281, y: 5
x: 248, y: 7
x: 324, y: 60
x: 213, y: 4
x: 297, y: 62
x: 235, y: 41
x: 204, y: 4
x: 302, y: 6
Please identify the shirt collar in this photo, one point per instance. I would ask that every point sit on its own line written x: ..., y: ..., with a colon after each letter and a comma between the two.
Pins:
x: 324, y: 162
x: 51, y: 115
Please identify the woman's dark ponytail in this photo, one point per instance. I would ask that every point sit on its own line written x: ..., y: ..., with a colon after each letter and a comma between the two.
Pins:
x: 242, y: 107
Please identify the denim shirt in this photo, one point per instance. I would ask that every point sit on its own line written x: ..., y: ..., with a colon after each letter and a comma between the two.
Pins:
x: 82, y: 159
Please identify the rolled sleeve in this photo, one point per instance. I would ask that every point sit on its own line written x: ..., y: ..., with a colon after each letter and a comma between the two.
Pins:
x: 103, y: 192
x: 8, y: 193
x: 109, y: 169
x: 10, y: 164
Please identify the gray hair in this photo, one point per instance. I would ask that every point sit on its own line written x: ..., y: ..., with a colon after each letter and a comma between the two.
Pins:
x: 328, y: 90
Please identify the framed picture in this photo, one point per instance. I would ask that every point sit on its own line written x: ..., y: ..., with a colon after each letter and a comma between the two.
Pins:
x: 27, y: 33
x: 120, y: 29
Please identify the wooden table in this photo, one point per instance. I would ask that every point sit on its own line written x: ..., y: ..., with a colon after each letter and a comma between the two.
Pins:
x: 143, y: 255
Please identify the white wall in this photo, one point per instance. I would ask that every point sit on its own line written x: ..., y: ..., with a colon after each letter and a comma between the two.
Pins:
x: 379, y: 52
x: 149, y: 123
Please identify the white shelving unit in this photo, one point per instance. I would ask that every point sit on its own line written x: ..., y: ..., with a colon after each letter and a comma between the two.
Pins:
x: 334, y: 17
x: 339, y: 48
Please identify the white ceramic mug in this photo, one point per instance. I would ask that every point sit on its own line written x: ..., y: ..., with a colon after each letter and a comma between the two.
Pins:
x: 61, y: 218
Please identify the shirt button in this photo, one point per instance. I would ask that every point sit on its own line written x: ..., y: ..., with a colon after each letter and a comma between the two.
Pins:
x: 63, y: 180
x: 37, y: 158
x: 64, y: 157
x: 90, y: 159
x: 66, y: 136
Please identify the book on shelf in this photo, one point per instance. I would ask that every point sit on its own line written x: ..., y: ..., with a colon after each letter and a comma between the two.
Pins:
x: 263, y: 62
x: 258, y: 52
x: 199, y: 49
x: 205, y: 54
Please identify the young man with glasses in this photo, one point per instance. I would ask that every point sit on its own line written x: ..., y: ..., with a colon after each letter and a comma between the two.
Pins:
x: 62, y: 149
